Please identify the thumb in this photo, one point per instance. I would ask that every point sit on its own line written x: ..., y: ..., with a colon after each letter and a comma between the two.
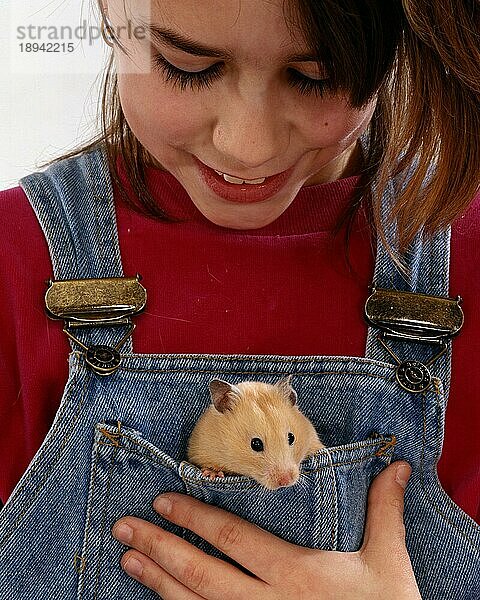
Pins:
x: 384, y: 526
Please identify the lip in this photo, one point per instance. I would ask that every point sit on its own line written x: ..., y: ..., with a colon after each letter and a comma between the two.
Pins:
x: 243, y: 193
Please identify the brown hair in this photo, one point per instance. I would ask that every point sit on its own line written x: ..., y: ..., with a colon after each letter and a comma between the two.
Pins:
x: 436, y: 115
x: 420, y: 57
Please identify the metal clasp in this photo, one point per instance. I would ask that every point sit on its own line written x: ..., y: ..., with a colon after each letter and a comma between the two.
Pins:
x: 416, y: 317
x: 110, y: 301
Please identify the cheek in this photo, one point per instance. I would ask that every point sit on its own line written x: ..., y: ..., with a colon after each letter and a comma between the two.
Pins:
x: 336, y: 124
x: 158, y: 116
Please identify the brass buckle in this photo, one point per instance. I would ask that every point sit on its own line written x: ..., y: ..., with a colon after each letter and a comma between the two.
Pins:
x: 415, y: 317
x: 106, y: 302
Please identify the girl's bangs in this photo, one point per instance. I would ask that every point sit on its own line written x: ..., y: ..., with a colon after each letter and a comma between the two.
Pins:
x: 356, y: 40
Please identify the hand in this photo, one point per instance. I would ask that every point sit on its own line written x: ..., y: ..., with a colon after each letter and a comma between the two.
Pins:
x: 176, y: 570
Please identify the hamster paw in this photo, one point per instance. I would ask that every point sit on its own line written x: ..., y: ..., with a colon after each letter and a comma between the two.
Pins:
x: 212, y: 473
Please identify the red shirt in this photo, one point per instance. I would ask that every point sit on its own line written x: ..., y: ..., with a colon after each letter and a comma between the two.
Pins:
x: 282, y: 289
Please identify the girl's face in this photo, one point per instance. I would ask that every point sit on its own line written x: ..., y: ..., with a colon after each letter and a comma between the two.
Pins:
x: 233, y: 91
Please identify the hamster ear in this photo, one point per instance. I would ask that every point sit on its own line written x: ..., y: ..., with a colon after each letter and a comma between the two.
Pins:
x: 223, y: 394
x: 286, y: 389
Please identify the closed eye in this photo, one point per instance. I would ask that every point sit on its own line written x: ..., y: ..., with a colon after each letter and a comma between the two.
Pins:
x: 195, y: 80
x: 307, y: 85
x: 204, y: 79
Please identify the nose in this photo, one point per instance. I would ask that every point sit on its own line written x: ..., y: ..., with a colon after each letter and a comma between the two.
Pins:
x: 252, y: 133
x: 286, y: 476
x: 285, y: 479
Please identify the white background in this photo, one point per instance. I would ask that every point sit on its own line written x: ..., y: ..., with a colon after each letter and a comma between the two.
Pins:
x: 48, y: 101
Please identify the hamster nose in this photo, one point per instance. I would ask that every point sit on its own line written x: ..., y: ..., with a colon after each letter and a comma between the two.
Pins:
x: 286, y: 478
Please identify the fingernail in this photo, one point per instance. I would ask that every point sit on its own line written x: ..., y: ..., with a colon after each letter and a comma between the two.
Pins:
x: 163, y: 505
x: 402, y: 474
x: 133, y: 567
x: 122, y: 532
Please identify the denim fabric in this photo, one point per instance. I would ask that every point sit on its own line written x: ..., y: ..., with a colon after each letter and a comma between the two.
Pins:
x: 119, y: 441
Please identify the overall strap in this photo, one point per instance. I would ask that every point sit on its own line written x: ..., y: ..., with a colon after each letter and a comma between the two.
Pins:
x: 73, y: 202
x: 428, y: 262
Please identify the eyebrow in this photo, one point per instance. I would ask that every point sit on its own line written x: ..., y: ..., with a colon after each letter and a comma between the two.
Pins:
x: 185, y: 44
x: 177, y: 41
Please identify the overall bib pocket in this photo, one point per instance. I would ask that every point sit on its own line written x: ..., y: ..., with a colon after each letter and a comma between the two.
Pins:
x: 324, y: 509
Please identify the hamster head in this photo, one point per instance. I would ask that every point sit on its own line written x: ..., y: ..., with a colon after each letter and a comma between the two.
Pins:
x: 263, y: 433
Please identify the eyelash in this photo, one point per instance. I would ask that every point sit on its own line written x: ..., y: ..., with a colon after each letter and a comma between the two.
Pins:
x: 204, y: 79
x: 306, y: 85
x: 184, y: 79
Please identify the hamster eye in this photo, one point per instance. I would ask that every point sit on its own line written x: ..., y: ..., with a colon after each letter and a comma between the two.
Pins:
x: 291, y: 438
x: 256, y: 444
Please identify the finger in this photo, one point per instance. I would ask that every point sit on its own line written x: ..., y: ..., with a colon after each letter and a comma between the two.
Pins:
x: 384, y: 527
x: 147, y: 572
x: 262, y: 553
x: 205, y: 575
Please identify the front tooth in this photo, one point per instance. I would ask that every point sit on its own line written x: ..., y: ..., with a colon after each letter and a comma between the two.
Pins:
x: 238, y: 181
x: 231, y: 179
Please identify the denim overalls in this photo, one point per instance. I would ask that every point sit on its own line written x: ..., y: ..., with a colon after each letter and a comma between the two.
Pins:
x: 118, y: 441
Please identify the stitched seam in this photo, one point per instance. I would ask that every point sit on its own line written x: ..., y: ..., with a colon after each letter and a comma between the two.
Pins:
x: 318, y: 515
x: 32, y: 471
x: 429, y: 498
x: 322, y: 468
x: 253, y: 372
x: 47, y: 474
x: 155, y: 459
x: 160, y: 458
x: 102, y: 527
x: 348, y: 462
x: 444, y: 495
x: 334, y: 503
x: 378, y: 443
x: 267, y: 357
x: 89, y: 514
x: 347, y: 447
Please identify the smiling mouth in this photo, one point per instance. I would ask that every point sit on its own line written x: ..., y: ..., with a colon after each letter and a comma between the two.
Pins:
x: 246, y: 191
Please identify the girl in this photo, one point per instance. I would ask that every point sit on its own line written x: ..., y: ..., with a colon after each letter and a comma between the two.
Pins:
x: 260, y: 164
